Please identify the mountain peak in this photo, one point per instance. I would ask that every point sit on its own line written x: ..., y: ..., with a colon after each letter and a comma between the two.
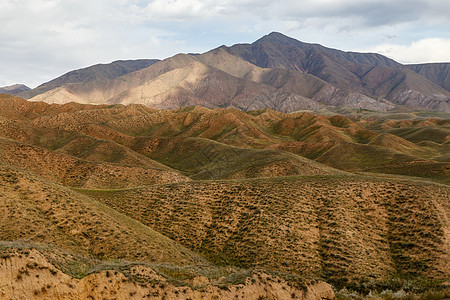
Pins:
x: 277, y: 37
x: 277, y: 34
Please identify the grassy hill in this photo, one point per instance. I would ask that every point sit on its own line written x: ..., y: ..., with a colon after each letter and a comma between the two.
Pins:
x: 344, y: 229
x: 137, y: 136
x: 357, y: 199
x: 71, y: 171
x: 42, y: 212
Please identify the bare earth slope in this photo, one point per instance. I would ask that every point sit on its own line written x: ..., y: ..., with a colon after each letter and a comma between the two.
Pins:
x: 30, y: 274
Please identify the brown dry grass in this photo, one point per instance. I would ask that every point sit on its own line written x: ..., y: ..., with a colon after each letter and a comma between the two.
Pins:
x: 343, y: 229
x: 39, y: 211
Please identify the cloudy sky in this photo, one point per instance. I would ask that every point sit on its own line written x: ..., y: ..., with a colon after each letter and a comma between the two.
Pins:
x: 43, y: 39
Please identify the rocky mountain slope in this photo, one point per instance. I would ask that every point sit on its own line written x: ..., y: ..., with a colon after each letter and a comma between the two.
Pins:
x: 14, y: 90
x: 437, y: 73
x: 274, y: 72
x: 93, y: 73
x: 370, y: 74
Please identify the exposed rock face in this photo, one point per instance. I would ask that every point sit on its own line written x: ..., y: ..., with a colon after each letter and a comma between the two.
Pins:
x: 438, y: 73
x: 418, y: 100
x: 29, y: 275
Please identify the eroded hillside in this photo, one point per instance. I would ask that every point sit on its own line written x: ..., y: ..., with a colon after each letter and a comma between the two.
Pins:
x: 342, y: 228
x: 359, y: 199
x: 31, y: 274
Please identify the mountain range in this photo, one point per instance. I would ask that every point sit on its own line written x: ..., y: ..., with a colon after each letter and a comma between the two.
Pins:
x: 274, y: 72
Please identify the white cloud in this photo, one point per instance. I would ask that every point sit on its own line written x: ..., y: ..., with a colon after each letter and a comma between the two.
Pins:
x: 43, y: 39
x: 198, y: 10
x: 422, y: 51
x: 370, y: 12
x: 181, y: 10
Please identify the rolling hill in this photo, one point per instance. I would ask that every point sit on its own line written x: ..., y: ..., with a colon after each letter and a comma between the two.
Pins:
x: 342, y: 228
x: 199, y: 141
x: 43, y: 212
